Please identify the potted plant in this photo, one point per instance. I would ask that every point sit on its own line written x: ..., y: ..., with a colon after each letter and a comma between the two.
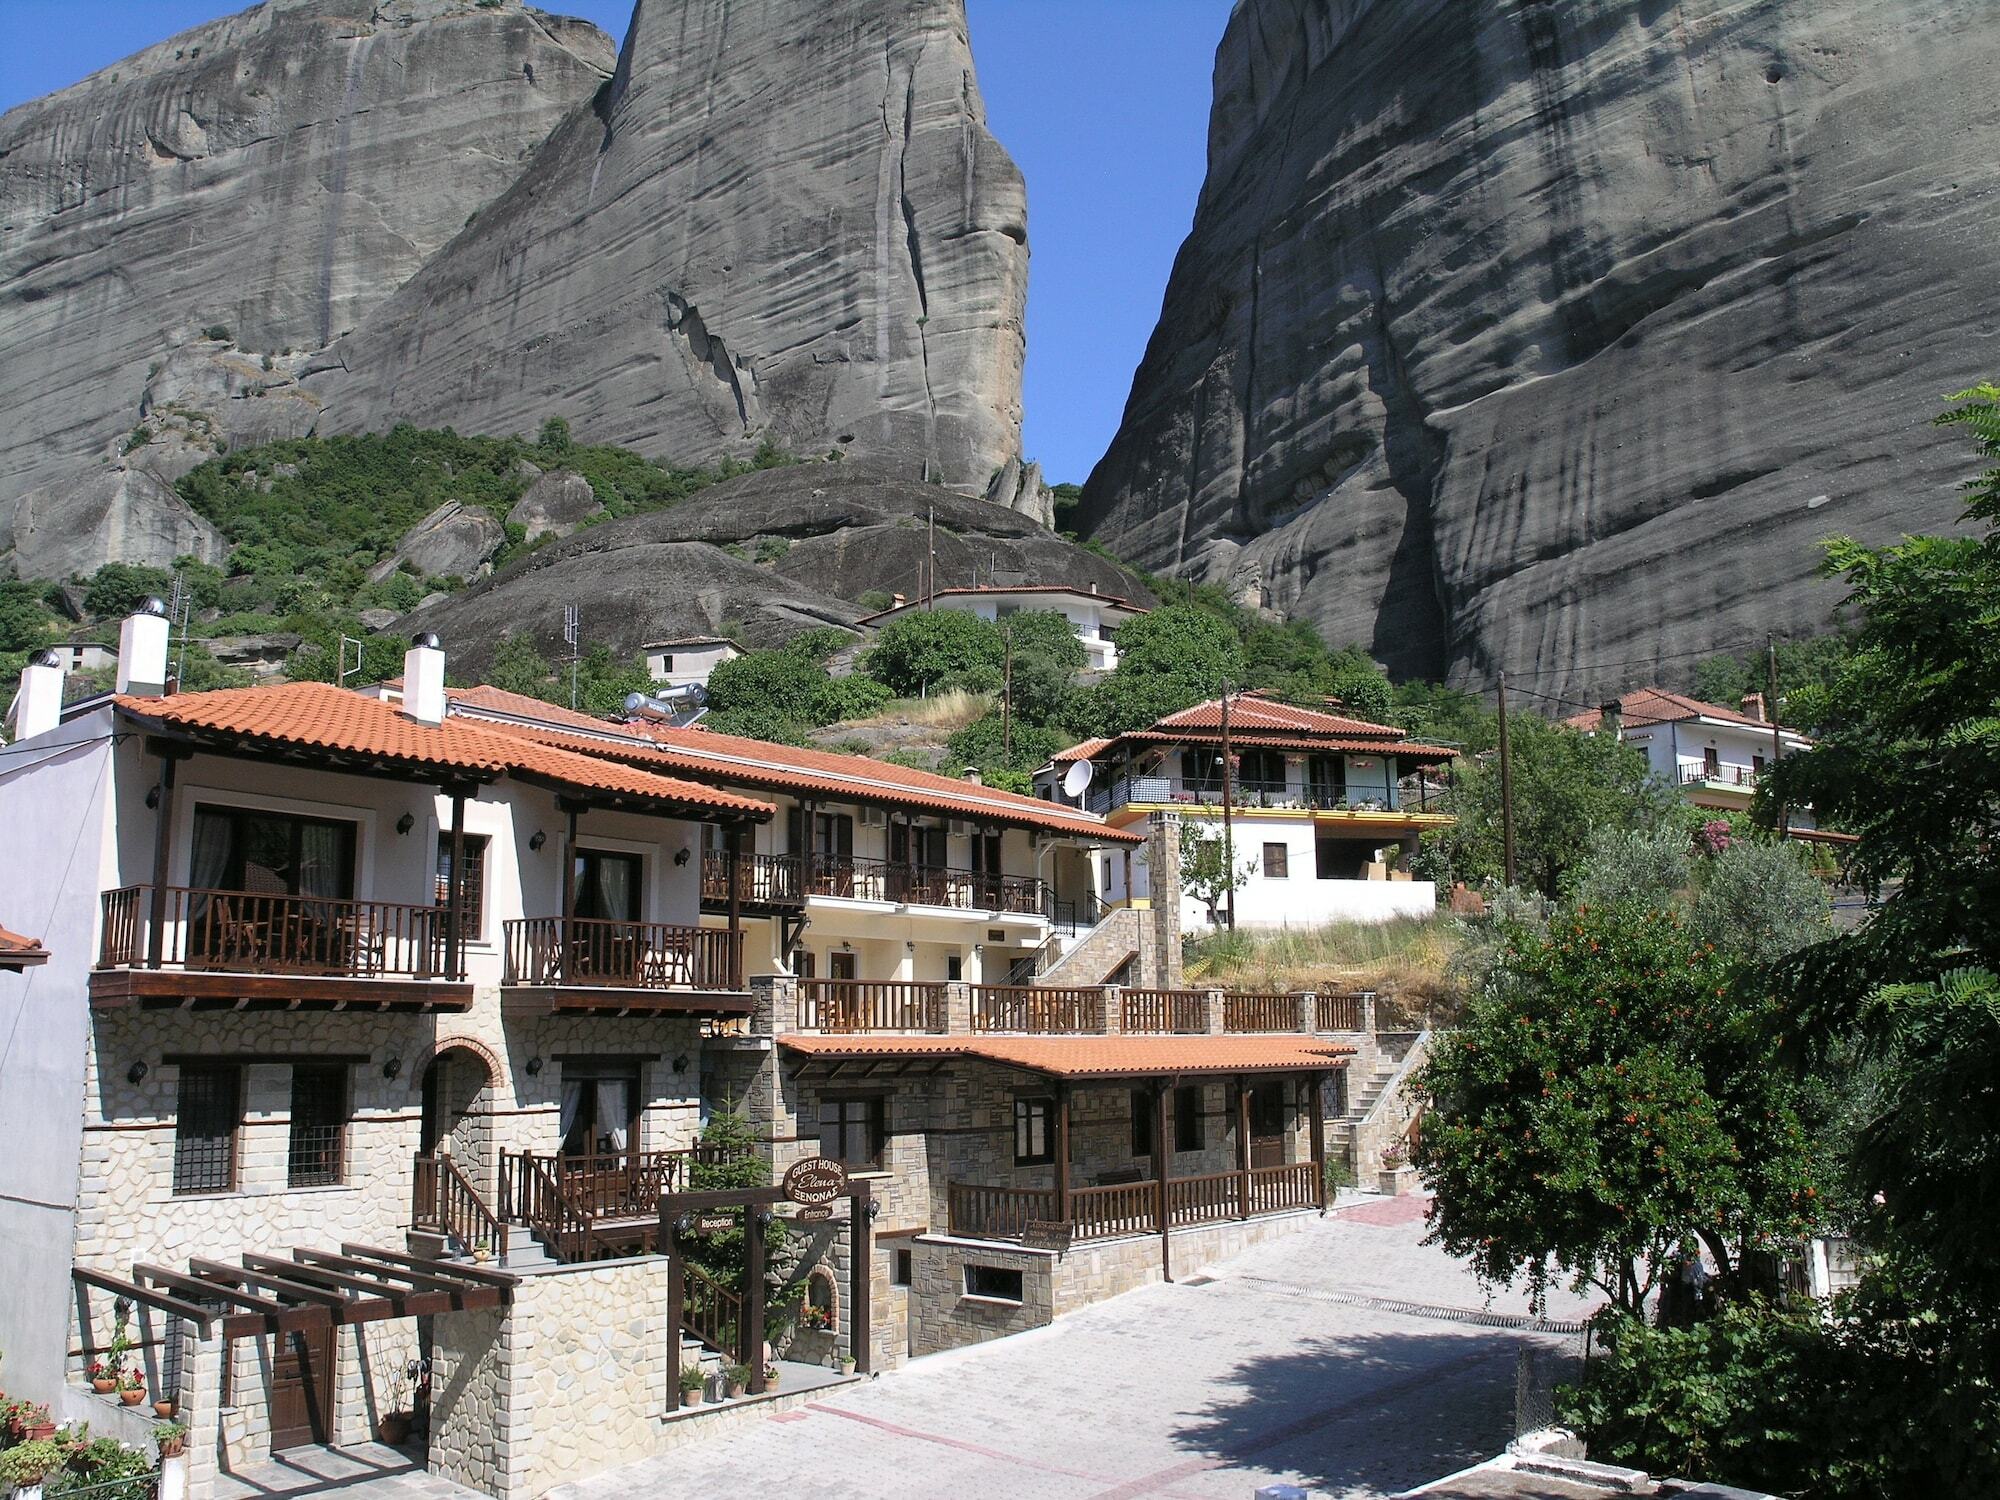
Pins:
x: 393, y: 1426
x: 163, y: 1409
x: 172, y: 1438
x: 771, y: 1376
x: 132, y: 1386
x: 735, y: 1380
x: 31, y: 1423
x: 847, y: 1364
x: 26, y: 1465
x: 103, y: 1379
x: 691, y: 1382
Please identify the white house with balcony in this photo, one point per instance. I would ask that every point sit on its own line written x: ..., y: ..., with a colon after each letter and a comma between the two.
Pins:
x: 1711, y: 755
x: 1095, y: 617
x: 1325, y: 810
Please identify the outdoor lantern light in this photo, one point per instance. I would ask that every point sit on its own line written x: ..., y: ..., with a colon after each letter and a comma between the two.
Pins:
x: 152, y: 798
x: 683, y: 855
x: 680, y: 1062
x: 392, y: 1067
x: 405, y: 823
x: 536, y: 840
x: 874, y: 1208
x: 534, y: 1067
x: 684, y: 1224
x: 136, y: 1073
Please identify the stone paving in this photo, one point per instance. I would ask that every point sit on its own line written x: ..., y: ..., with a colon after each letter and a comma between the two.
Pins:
x: 1254, y: 1374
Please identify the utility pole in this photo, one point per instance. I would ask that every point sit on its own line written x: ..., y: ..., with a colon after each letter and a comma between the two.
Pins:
x: 573, y: 634
x: 1228, y: 829
x: 1007, y: 700
x: 930, y: 569
x: 1771, y: 708
x: 1506, y: 787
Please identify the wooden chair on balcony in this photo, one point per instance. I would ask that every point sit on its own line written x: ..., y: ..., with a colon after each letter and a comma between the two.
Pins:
x: 364, y: 943
x: 234, y: 938
x: 667, y: 967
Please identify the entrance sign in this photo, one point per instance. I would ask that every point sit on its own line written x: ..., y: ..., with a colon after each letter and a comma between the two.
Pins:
x: 714, y: 1223
x: 816, y: 1180
x: 816, y: 1213
x: 1047, y: 1234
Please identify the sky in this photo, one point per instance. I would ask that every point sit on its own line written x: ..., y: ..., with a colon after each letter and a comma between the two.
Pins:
x: 1103, y: 103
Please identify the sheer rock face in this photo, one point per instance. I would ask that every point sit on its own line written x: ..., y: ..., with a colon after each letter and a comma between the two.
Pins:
x: 781, y: 222
x: 274, y: 175
x: 1527, y: 334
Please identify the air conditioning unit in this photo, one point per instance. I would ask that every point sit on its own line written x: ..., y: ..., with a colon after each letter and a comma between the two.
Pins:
x: 957, y: 827
x: 874, y: 817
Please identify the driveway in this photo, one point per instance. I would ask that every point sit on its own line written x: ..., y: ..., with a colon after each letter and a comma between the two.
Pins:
x: 1346, y: 1357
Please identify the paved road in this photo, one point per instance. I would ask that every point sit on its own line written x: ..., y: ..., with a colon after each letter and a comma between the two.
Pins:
x: 1282, y: 1365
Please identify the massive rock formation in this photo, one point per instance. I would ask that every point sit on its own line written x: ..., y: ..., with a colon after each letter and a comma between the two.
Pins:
x: 1524, y: 334
x: 270, y: 177
x: 768, y: 554
x: 781, y: 222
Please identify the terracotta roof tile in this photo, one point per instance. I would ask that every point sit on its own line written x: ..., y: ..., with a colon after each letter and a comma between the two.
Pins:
x: 1093, y: 1056
x: 1247, y: 711
x: 1257, y: 723
x: 320, y: 716
x: 1652, y: 705
x: 1080, y: 752
x: 1253, y: 740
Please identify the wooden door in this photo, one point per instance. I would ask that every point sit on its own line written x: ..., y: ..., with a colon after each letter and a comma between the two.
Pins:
x: 840, y: 965
x: 302, y: 1389
x: 1267, y: 1125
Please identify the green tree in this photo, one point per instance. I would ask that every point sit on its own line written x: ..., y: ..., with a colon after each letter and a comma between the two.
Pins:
x: 1177, y: 656
x: 555, y: 436
x: 732, y: 1163
x: 25, y: 622
x: 1440, y: 715
x: 518, y: 666
x: 1566, y: 784
x: 915, y: 653
x: 1205, y: 870
x: 1610, y: 1093
x: 980, y: 744
x: 116, y: 589
x: 767, y: 695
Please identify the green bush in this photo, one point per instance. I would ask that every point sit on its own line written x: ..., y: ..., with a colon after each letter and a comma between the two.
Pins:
x: 116, y: 589
x: 841, y: 698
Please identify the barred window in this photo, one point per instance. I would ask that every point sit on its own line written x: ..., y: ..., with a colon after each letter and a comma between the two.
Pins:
x: 472, y: 920
x: 319, y: 1125
x: 208, y: 1115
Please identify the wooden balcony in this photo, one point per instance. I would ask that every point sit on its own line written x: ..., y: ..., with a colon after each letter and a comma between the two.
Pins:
x: 1037, y: 1010
x: 588, y: 964
x: 768, y: 884
x: 1113, y: 1209
x: 187, y: 946
x: 764, y: 883
x: 862, y: 1005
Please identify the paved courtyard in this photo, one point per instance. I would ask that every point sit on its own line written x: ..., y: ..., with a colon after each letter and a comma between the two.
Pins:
x: 1281, y: 1365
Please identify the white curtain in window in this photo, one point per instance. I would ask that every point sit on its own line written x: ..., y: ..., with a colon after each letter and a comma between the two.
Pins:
x: 614, y: 1110
x: 208, y: 859
x: 572, y: 1101
x: 614, y: 889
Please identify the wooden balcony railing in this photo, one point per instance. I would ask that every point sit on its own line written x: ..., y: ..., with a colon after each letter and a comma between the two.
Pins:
x: 1037, y: 1009
x: 711, y: 1311
x: 851, y: 1005
x: 589, y: 952
x: 606, y: 1185
x: 1260, y: 1012
x: 761, y: 879
x: 1158, y: 1011
x: 254, y: 932
x: 535, y: 1194
x: 444, y: 1200
x: 1338, y: 1013
x: 925, y: 885
x: 1095, y: 1213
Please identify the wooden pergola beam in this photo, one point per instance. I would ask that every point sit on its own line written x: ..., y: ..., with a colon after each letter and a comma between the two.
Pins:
x: 248, y: 1275
x: 278, y: 1317
x: 204, y: 1318
x: 474, y: 1274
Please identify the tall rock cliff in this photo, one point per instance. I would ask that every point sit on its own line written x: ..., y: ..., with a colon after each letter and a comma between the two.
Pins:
x: 1527, y: 334
x: 267, y: 178
x: 782, y: 222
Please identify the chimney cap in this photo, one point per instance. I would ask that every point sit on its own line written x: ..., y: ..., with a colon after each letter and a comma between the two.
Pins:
x: 48, y: 656
x: 427, y: 641
x: 152, y: 604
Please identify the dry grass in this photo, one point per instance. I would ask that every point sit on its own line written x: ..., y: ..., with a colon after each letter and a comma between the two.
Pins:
x: 945, y: 712
x: 1406, y: 962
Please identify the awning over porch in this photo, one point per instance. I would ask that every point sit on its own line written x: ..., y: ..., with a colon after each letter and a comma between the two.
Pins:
x: 1081, y: 1057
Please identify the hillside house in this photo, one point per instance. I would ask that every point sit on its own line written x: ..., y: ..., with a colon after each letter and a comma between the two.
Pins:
x: 1093, y: 616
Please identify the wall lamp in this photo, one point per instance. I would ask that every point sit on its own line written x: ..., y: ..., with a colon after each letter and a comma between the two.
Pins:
x: 405, y: 823
x: 152, y: 799
x: 536, y: 840
x: 534, y: 1067
x: 680, y: 1062
x: 136, y: 1073
x: 683, y: 855
x: 392, y: 1068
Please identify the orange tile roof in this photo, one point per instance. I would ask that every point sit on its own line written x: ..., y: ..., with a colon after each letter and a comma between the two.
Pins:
x: 17, y: 952
x: 1652, y: 705
x: 1080, y: 752
x: 320, y: 716
x: 1254, y: 740
x: 1092, y: 1056
x: 1257, y: 723
x: 1247, y: 711
x: 790, y: 768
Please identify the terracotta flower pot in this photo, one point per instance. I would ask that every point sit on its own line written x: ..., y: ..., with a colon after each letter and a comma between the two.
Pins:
x: 394, y: 1428
x: 163, y: 1408
x: 104, y: 1387
x: 35, y: 1432
x: 131, y: 1398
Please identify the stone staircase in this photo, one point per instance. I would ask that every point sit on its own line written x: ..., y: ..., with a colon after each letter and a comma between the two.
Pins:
x: 525, y: 1252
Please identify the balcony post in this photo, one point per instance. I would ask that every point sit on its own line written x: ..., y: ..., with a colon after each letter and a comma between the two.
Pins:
x: 163, y: 815
x: 564, y: 954
x: 1062, y: 1153
x: 733, y: 838
x: 1317, y: 1083
x: 454, y: 906
x: 1242, y: 1146
x: 1162, y: 1164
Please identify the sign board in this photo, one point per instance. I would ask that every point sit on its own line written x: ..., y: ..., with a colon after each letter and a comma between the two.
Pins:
x: 1047, y: 1234
x: 714, y: 1223
x: 816, y: 1180
x: 816, y: 1213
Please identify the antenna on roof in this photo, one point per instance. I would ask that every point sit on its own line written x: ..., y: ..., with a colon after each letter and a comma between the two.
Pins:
x: 342, y: 671
x: 572, y: 633
x: 180, y: 604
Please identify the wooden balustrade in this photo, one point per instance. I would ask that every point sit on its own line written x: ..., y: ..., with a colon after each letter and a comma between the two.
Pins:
x: 1274, y: 1189
x: 925, y: 885
x: 1122, y: 1208
x: 1104, y: 1212
x: 711, y: 1311
x: 1160, y: 1011
x: 1207, y: 1199
x: 1037, y: 1009
x: 258, y: 932
x: 618, y: 1184
x: 852, y: 1005
x: 1260, y: 1012
x: 444, y: 1200
x: 1337, y: 1013
x: 993, y: 1213
x: 593, y: 952
x: 761, y: 879
x: 534, y: 1194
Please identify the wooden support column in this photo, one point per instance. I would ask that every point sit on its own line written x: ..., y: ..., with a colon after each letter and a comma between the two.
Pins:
x: 1062, y: 1152
x: 163, y: 822
x: 861, y: 1273
x: 676, y: 1311
x: 565, y: 951
x: 1242, y: 1147
x: 1316, y: 1082
x: 753, y: 1294
x: 1162, y: 1164
x: 454, y: 908
x: 733, y: 837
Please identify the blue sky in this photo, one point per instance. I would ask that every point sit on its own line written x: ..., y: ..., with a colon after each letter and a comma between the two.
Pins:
x: 1104, y: 103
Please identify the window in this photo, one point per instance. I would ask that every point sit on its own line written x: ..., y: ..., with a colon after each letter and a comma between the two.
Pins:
x: 850, y: 1130
x: 316, y: 1153
x: 997, y: 1283
x: 1756, y: 765
x: 954, y: 967
x: 1711, y: 762
x: 986, y: 854
x: 899, y: 1275
x: 1142, y: 1122
x: 1275, y: 856
x: 1261, y: 772
x: 607, y: 885
x: 206, y: 1120
x: 271, y: 854
x: 472, y: 920
x: 1034, y: 1131
x: 666, y: 661
x: 600, y: 1106
x: 1187, y: 1118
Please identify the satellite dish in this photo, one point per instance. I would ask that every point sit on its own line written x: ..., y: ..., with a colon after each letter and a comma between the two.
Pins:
x: 1076, y: 781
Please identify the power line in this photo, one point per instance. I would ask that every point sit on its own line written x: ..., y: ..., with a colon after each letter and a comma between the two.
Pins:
x: 1514, y: 678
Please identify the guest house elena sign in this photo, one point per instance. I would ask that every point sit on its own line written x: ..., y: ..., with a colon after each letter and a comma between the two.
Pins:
x: 813, y: 1184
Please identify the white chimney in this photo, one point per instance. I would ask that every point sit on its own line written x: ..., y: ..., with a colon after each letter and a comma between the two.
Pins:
x: 38, y: 701
x: 971, y: 774
x: 423, y: 680
x: 142, y: 650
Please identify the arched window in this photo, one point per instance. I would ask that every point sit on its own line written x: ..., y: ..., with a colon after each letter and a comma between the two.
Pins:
x: 821, y: 1310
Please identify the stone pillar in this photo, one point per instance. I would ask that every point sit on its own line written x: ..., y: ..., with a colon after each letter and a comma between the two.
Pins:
x: 774, y: 1004
x: 1308, y: 1014
x: 199, y: 1407
x: 1163, y: 871
x: 958, y: 1009
x: 1211, y: 1001
x: 1114, y: 1010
